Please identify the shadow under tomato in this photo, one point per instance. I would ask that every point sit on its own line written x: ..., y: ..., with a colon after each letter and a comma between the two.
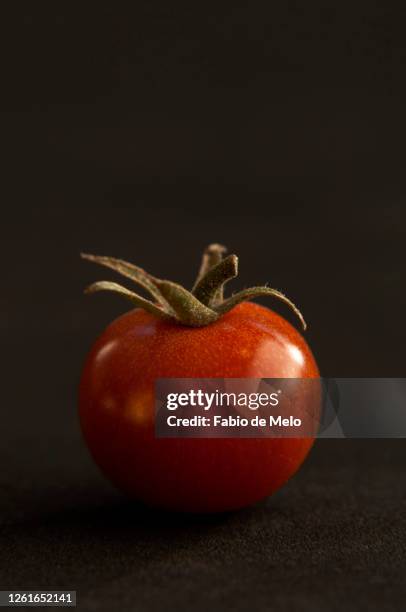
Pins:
x: 80, y: 536
x: 108, y: 514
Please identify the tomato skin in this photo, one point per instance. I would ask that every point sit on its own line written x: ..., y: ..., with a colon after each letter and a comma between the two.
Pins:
x: 116, y: 408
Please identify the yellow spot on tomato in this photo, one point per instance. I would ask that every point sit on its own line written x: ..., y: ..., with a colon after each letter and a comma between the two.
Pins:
x: 139, y: 408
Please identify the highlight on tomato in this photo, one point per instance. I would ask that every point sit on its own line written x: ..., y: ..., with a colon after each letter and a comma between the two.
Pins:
x: 177, y: 333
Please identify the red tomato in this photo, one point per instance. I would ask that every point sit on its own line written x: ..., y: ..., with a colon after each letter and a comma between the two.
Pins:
x: 198, y: 475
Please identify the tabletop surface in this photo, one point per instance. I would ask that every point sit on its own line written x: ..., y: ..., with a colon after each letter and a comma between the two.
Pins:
x: 333, y: 537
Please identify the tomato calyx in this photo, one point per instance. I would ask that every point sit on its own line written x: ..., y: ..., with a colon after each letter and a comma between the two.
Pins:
x: 201, y: 306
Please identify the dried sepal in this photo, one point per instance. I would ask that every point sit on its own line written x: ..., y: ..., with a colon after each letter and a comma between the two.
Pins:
x: 136, y: 299
x: 129, y: 270
x: 200, y: 307
x: 254, y: 292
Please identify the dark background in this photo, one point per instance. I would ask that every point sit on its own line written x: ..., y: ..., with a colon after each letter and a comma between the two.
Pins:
x: 145, y: 134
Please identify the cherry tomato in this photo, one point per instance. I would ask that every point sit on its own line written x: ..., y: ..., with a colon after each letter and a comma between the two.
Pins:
x: 194, y: 475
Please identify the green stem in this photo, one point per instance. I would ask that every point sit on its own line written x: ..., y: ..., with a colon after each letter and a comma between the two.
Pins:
x: 189, y: 310
x: 212, y: 255
x: 202, y: 306
x: 210, y: 285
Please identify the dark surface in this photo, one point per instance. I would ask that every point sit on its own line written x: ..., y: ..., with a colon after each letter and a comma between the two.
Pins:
x: 334, y: 537
x: 146, y: 135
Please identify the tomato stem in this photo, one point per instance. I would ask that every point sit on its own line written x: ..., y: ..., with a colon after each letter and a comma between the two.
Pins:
x: 212, y: 255
x: 211, y: 285
x: 189, y: 310
x: 202, y: 306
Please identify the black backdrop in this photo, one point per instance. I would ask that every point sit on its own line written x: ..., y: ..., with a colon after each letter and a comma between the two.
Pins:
x: 145, y: 134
